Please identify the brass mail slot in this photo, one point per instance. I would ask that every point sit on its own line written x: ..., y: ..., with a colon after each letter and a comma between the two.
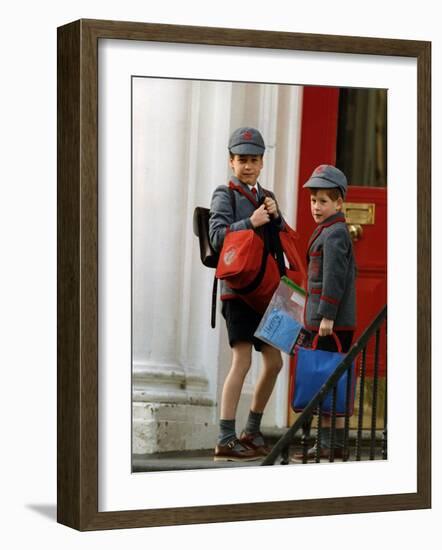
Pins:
x: 359, y: 212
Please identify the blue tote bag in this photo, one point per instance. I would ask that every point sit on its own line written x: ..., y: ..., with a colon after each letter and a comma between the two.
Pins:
x: 312, y: 368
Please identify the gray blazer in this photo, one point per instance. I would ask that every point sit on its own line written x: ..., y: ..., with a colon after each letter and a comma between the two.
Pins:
x: 331, y: 276
x: 221, y: 217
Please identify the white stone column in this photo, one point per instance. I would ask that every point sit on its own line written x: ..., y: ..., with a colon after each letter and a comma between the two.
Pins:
x: 207, y: 168
x: 178, y: 132
x: 159, y: 163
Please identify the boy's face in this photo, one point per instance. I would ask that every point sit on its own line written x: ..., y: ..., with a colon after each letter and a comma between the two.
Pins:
x: 247, y: 167
x: 322, y: 206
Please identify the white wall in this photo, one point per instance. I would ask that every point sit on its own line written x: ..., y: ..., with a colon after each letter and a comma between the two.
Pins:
x: 28, y: 314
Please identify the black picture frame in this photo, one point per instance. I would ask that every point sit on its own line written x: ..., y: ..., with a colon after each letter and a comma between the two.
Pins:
x: 77, y: 315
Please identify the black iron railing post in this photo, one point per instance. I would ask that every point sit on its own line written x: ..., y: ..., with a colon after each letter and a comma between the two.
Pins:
x: 385, y: 430
x: 285, y: 455
x: 333, y: 424
x: 350, y: 379
x: 375, y: 396
x: 319, y: 434
x: 361, y: 404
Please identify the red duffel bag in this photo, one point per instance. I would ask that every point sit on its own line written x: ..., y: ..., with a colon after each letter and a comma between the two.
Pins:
x: 240, y: 257
x: 248, y: 268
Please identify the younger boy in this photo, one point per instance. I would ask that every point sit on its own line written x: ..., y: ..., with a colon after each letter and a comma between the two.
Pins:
x: 331, y: 301
x: 254, y: 208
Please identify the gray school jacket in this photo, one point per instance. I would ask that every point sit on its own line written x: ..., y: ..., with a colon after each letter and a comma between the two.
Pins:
x: 331, y: 276
x: 221, y: 217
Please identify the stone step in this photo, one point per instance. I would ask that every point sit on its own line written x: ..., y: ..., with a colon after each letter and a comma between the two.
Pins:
x: 202, y: 459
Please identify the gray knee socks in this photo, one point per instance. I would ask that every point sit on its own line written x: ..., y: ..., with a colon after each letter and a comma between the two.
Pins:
x: 253, y: 423
x: 227, y: 431
x: 253, y: 426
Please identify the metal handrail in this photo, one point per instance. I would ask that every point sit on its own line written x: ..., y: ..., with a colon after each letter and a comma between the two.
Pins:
x: 309, y: 410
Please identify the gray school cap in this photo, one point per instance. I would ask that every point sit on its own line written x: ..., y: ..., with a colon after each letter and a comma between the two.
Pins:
x: 326, y: 176
x: 246, y: 141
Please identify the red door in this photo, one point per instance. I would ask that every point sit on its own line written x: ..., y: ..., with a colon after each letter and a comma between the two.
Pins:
x: 366, y: 207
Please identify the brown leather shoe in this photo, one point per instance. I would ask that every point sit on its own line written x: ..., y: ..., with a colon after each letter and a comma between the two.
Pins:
x: 242, y: 453
x: 339, y: 454
x: 247, y: 439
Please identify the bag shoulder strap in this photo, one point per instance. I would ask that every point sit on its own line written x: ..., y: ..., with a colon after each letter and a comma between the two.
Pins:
x: 236, y: 187
x: 215, y: 280
x: 213, y: 310
x: 274, y: 242
x: 232, y: 201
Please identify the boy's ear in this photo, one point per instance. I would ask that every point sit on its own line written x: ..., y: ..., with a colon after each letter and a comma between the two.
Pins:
x: 340, y: 203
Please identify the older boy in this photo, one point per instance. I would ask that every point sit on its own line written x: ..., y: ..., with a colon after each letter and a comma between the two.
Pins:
x: 331, y: 302
x: 246, y: 148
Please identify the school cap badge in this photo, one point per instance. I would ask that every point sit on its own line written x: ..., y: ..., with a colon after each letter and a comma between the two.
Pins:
x: 246, y: 141
x: 326, y: 176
